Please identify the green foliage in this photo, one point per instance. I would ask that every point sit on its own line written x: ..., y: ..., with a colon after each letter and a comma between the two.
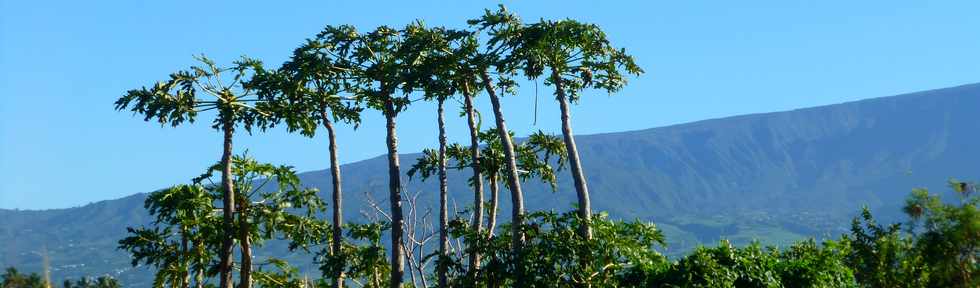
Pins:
x: 947, y: 235
x: 308, y: 89
x: 534, y: 158
x: 274, y: 202
x: 882, y: 256
x: 503, y: 29
x: 185, y: 236
x: 619, y: 252
x: 362, y: 259
x: 100, y: 282
x: 940, y: 248
x: 579, y: 55
x: 284, y: 275
x: 176, y: 101
x: 376, y: 61
x: 11, y: 278
x: 804, y: 264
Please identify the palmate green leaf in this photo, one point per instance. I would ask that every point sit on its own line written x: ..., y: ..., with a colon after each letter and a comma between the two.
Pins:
x: 578, y: 54
x: 200, y: 88
x: 618, y: 252
x: 534, y: 158
x: 425, y: 166
x: 274, y: 205
x: 316, y: 85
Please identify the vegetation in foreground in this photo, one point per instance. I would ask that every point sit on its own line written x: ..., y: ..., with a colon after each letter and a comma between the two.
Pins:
x: 937, y: 247
x: 11, y: 278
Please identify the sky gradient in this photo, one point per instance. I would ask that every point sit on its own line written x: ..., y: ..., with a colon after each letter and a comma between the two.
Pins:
x: 65, y: 62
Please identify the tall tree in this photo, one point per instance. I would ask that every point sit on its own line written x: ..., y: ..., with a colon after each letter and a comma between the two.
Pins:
x: 429, y: 49
x: 380, y: 70
x: 305, y: 93
x: 181, y: 236
x: 176, y: 101
x: 579, y: 56
x: 460, y: 76
x: 500, y: 25
x: 272, y: 202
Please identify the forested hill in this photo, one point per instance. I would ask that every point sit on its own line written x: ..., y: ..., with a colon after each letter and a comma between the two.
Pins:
x: 773, y: 177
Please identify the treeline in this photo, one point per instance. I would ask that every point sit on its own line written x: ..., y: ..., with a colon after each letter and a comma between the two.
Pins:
x: 335, y: 76
x: 11, y: 278
x: 936, y: 247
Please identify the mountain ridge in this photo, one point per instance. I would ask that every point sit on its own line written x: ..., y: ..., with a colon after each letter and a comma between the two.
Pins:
x: 669, y: 126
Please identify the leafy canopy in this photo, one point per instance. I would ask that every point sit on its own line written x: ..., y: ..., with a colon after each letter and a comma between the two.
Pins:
x: 177, y: 100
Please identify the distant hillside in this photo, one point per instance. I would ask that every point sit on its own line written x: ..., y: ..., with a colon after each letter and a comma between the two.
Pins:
x: 775, y: 177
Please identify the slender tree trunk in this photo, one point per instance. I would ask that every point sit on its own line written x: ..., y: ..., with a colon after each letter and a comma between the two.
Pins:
x: 578, y: 176
x: 338, y: 216
x: 184, y: 255
x: 228, y: 216
x: 395, y: 197
x: 376, y: 278
x: 443, y: 201
x: 474, y: 262
x: 199, y: 273
x: 494, y: 191
x: 513, y: 181
x: 245, y: 272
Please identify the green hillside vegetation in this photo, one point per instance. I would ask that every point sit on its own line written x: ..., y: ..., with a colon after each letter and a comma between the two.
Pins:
x: 11, y: 278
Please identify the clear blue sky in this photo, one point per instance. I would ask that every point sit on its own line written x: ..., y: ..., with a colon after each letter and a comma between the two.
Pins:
x: 63, y: 63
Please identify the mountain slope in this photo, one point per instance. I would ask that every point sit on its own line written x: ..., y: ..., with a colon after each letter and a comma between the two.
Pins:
x: 774, y: 177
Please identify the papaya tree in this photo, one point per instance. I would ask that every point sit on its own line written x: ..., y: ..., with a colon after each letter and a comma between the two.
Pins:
x: 460, y: 76
x: 183, y: 237
x: 429, y: 49
x: 947, y: 234
x: 380, y: 69
x: 309, y: 91
x: 179, y: 100
x: 186, y: 234
x: 577, y: 56
x: 273, y: 203
x: 500, y: 25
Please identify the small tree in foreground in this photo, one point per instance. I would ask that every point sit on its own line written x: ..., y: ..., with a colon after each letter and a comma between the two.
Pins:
x: 185, y: 235
x: 947, y: 234
x: 176, y: 101
x: 87, y: 282
x: 11, y: 278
